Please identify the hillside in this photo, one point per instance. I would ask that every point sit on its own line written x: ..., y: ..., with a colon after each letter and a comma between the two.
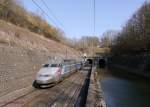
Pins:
x: 11, y: 35
x: 22, y: 53
x: 14, y: 12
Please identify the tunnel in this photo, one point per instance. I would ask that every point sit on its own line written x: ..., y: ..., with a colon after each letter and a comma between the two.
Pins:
x: 102, y: 63
x: 90, y: 61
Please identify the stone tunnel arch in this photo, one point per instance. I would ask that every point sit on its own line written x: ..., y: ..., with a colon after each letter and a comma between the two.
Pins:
x: 90, y: 61
x: 102, y: 62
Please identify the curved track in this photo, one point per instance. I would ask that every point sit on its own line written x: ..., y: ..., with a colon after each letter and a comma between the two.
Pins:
x: 63, y: 94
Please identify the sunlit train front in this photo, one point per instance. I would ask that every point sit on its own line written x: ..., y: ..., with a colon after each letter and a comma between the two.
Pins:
x: 53, y: 73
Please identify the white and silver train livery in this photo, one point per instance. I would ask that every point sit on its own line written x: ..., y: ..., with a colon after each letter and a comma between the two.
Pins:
x: 55, y: 72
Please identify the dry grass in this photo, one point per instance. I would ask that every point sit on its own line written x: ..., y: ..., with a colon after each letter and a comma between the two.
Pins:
x: 4, y: 41
x: 14, y: 35
x: 9, y: 42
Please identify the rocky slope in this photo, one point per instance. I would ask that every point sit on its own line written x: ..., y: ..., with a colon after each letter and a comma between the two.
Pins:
x: 21, y: 55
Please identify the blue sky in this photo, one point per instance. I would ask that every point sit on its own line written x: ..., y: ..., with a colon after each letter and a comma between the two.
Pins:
x: 77, y: 15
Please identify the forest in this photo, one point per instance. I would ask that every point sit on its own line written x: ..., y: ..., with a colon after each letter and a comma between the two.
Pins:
x: 134, y: 38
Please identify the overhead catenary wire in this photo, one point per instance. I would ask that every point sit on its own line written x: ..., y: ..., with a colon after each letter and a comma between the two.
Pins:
x: 53, y: 15
x: 56, y: 25
x: 59, y: 25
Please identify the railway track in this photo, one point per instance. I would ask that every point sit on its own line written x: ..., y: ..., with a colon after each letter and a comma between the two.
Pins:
x: 51, y: 96
x: 67, y: 94
x: 63, y: 94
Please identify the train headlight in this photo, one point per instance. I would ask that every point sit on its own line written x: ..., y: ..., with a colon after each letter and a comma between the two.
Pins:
x: 45, y: 75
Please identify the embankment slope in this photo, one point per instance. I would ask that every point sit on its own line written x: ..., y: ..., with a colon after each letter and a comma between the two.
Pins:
x: 21, y: 55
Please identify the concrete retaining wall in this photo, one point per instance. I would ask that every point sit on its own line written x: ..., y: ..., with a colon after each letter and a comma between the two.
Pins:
x: 139, y: 64
x: 18, y: 68
x: 95, y: 98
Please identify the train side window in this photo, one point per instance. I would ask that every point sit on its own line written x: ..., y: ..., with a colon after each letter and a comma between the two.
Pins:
x: 60, y: 65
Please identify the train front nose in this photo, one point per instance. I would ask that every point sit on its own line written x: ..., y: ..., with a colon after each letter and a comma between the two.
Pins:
x: 47, y: 75
x: 44, y: 79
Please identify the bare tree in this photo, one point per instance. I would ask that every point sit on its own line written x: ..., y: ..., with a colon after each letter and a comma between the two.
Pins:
x: 135, y: 35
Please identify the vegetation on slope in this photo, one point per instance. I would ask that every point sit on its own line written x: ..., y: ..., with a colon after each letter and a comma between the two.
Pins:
x: 134, y: 38
x: 85, y: 43
x: 12, y: 11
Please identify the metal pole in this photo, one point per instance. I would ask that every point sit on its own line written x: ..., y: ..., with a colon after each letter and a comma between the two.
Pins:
x: 94, y: 18
x: 93, y: 27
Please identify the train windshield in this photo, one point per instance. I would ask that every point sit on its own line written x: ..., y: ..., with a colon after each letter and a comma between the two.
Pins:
x: 46, y: 65
x: 54, y: 65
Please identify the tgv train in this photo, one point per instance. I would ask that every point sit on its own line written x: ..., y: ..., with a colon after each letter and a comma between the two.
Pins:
x: 54, y: 72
